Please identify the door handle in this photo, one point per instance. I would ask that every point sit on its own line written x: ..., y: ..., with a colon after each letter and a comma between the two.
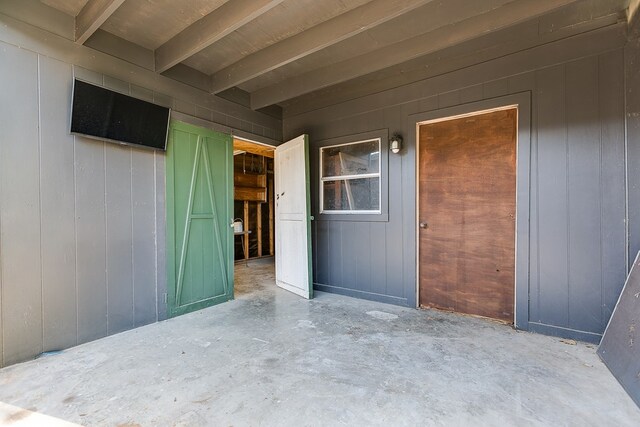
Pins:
x: 424, y: 225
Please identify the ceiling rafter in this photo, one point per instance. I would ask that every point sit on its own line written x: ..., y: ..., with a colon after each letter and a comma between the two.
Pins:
x: 449, y: 34
x: 508, y: 42
x: 404, y: 27
x: 307, y: 42
x: 632, y: 11
x: 92, y: 16
x: 209, y: 29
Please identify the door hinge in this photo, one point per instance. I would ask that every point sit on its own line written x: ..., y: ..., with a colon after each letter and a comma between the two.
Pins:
x: 165, y: 297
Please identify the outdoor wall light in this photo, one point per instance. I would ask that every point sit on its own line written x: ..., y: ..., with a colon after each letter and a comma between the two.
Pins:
x: 395, y: 144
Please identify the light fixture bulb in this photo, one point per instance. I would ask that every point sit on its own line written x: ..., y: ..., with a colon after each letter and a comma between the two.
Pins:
x: 395, y: 144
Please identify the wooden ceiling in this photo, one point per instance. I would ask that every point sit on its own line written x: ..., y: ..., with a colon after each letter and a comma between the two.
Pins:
x: 289, y: 52
x: 242, y: 146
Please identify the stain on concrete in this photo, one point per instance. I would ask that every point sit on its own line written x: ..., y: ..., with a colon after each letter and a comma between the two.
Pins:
x: 344, y: 364
x: 17, y: 416
x: 382, y: 315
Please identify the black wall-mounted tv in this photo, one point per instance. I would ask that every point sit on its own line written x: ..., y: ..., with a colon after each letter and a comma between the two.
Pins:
x: 101, y: 113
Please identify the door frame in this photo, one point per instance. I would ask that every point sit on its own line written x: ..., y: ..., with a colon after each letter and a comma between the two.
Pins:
x: 263, y: 144
x: 522, y: 102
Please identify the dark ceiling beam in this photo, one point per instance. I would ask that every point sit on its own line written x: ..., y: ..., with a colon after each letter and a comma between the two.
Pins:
x: 307, y: 42
x: 209, y: 29
x: 449, y: 34
x: 92, y: 16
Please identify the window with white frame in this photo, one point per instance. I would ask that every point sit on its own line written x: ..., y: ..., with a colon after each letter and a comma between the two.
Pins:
x: 350, y: 178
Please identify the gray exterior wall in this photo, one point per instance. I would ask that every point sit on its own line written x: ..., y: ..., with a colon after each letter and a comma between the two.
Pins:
x: 632, y: 85
x: 82, y: 222
x: 578, y: 241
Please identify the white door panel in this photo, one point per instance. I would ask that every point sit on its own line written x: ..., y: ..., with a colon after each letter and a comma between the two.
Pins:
x: 293, y: 226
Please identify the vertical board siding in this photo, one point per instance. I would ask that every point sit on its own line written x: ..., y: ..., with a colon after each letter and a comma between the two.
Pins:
x: 552, y: 219
x: 119, y: 227
x: 394, y: 253
x: 362, y: 237
x: 80, y: 219
x: 143, y: 219
x: 349, y: 260
x: 409, y: 228
x: 632, y: 95
x: 58, y: 208
x: 612, y: 173
x: 583, y: 178
x: 377, y: 253
x: 321, y: 255
x: 91, y: 240
x: 576, y: 195
x: 335, y: 240
x: 161, y: 236
x: 469, y: 94
x: 20, y: 215
x: 496, y: 88
x: 393, y: 246
x: 449, y: 99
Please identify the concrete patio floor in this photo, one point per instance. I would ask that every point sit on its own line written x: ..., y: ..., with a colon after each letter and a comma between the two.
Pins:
x: 272, y: 358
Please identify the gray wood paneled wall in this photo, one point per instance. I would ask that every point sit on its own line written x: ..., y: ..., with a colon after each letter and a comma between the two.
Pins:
x: 632, y: 85
x: 79, y: 219
x: 578, y: 240
x: 82, y: 222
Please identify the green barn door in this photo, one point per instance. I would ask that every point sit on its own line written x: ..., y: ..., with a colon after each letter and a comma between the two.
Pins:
x: 199, y: 211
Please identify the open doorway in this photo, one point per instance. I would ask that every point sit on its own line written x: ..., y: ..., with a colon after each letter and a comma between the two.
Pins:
x: 253, y: 213
x: 273, y: 221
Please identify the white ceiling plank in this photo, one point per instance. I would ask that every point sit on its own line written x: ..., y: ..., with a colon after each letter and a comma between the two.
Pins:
x: 441, y: 38
x: 211, y: 28
x: 92, y: 16
x: 307, y: 42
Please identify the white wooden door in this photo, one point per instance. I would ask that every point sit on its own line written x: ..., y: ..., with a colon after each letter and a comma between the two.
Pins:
x: 293, y: 220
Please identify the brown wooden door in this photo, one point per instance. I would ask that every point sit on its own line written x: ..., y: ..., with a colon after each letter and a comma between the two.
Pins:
x: 467, y: 214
